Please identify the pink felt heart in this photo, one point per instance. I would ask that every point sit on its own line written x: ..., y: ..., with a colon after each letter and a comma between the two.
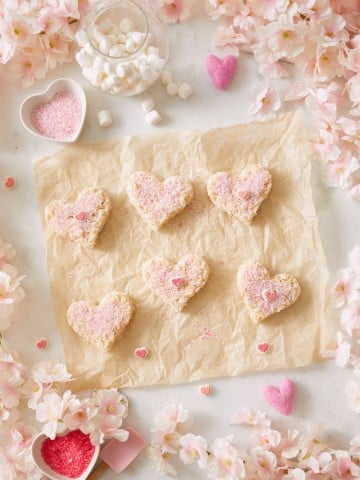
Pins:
x: 264, y: 295
x: 221, y: 71
x: 282, y: 398
x: 240, y: 196
x: 101, y: 324
x: 159, y: 275
x: 157, y: 201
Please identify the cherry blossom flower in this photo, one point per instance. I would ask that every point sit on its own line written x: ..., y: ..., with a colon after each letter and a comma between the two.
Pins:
x: 7, y: 252
x: 106, y: 427
x: 51, y: 410
x: 269, y: 9
x: 265, y: 462
x: 226, y: 461
x: 346, y: 287
x: 172, y: 11
x: 111, y: 402
x: 266, y: 102
x: 171, y: 418
x: 343, y: 351
x: 193, y: 448
x: 159, y: 460
x: 246, y: 416
x: 10, y: 290
x: 229, y: 39
x: 79, y: 414
x: 354, y: 259
x: 350, y: 317
x: 49, y: 371
x: 346, y: 469
x: 320, y: 464
x: 352, y: 390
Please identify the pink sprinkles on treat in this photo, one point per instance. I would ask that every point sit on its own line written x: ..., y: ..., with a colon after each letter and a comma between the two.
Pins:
x: 254, y: 282
x: 268, y: 295
x: 178, y: 281
x: 9, y: 182
x: 78, y: 217
x: 60, y: 118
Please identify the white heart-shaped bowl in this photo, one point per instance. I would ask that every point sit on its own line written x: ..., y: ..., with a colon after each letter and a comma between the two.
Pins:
x: 49, y: 472
x: 57, y: 86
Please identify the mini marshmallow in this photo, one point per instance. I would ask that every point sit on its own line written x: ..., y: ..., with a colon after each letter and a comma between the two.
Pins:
x: 148, y: 105
x: 137, y: 37
x: 166, y: 77
x: 83, y: 59
x: 105, y: 25
x: 172, y: 88
x: 121, y: 38
x: 185, y: 91
x: 153, y: 51
x: 126, y: 25
x: 98, y: 63
x: 104, y: 46
x: 81, y: 37
x: 104, y: 118
x: 120, y: 70
x: 153, y: 117
x: 89, y: 49
x: 148, y: 74
x: 109, y: 68
x: 130, y: 45
x: 117, y: 51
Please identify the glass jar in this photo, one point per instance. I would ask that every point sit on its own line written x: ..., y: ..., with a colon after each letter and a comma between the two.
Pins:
x: 123, y: 47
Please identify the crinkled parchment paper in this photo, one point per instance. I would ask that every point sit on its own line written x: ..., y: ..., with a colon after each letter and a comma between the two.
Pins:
x: 214, y: 335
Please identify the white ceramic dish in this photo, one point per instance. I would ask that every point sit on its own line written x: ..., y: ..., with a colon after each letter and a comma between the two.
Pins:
x: 49, y: 472
x: 57, y: 86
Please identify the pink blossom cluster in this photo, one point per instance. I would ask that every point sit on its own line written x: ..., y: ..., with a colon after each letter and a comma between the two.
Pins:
x: 321, y: 38
x: 276, y: 454
x: 42, y: 388
x: 172, y: 11
x: 36, y: 36
x: 10, y: 290
x: 346, y: 297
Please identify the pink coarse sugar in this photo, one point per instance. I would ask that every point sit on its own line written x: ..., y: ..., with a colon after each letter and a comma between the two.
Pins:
x: 60, y: 118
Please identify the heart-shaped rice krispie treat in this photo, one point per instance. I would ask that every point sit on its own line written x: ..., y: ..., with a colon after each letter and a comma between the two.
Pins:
x: 82, y: 220
x: 157, y: 201
x: 104, y: 323
x: 176, y: 284
x: 266, y: 295
x: 240, y: 196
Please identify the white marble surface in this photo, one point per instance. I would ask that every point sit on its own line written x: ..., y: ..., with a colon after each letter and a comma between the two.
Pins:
x: 321, y: 397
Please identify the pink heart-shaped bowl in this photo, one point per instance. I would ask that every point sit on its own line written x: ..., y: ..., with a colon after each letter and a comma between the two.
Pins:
x: 46, y: 470
x: 58, y: 86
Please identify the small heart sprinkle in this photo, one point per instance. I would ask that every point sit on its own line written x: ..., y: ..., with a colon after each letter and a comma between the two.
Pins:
x: 9, y: 182
x: 262, y: 347
x: 244, y: 195
x: 206, y: 390
x: 42, y: 344
x: 178, y: 281
x: 141, y: 352
x: 80, y: 216
x: 268, y: 295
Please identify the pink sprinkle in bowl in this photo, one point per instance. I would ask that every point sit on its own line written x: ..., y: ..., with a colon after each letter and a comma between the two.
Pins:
x: 48, y: 471
x: 61, y: 85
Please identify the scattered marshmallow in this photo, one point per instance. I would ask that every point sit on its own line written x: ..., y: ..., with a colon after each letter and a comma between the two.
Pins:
x: 172, y: 88
x: 104, y: 118
x: 153, y: 117
x: 166, y: 77
x: 148, y: 105
x: 185, y: 91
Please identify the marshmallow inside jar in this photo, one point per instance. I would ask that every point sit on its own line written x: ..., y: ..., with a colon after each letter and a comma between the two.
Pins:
x: 122, y: 47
